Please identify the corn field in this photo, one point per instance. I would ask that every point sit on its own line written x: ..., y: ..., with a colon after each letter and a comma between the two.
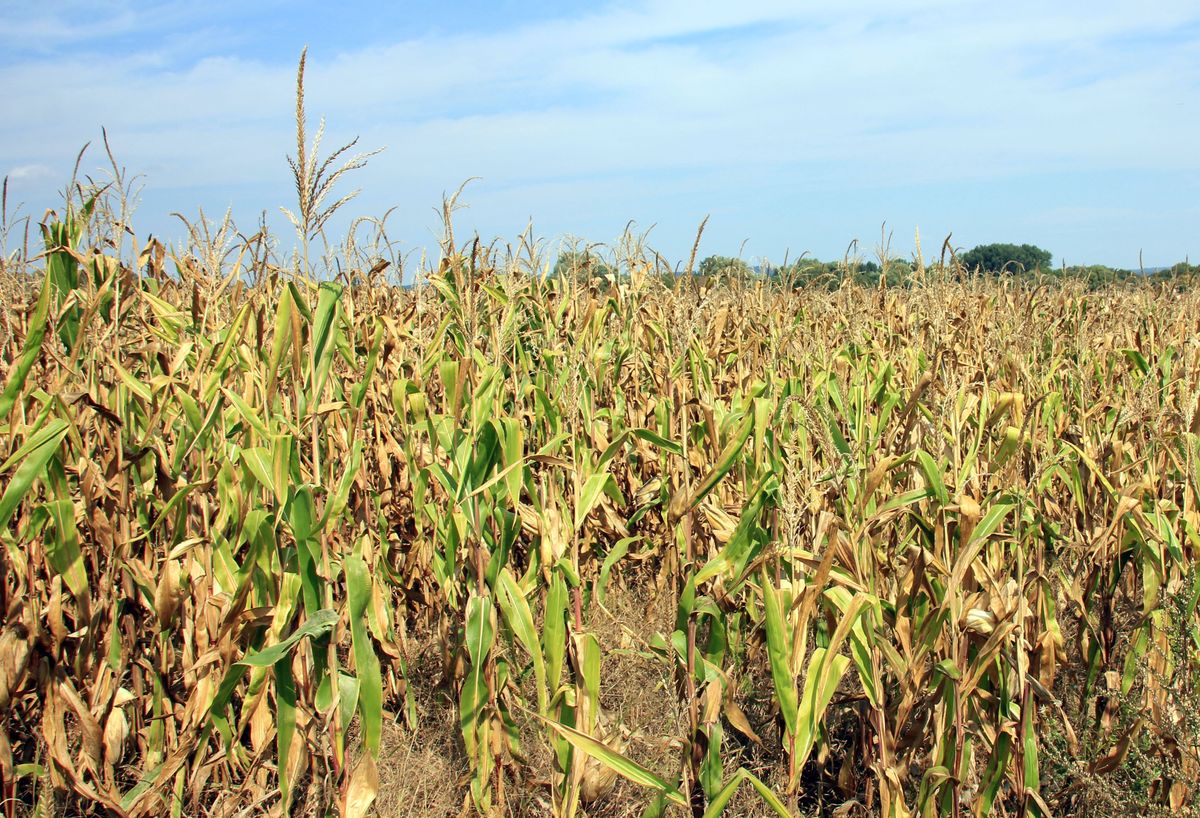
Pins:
x: 926, y: 551
x: 507, y: 544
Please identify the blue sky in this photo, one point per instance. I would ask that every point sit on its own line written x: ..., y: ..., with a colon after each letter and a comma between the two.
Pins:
x: 797, y: 127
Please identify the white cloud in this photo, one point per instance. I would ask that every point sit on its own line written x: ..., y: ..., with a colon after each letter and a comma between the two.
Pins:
x: 23, y: 172
x: 935, y: 91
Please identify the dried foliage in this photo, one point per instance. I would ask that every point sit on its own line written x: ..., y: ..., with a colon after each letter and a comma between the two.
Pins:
x: 926, y: 550
x: 515, y: 544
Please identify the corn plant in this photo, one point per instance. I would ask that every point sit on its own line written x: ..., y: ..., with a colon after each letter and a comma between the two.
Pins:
x: 923, y: 550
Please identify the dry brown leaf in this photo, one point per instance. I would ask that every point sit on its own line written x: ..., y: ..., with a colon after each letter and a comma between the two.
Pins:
x: 362, y: 788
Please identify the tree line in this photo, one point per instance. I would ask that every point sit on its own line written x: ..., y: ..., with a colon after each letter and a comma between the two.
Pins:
x: 1024, y: 261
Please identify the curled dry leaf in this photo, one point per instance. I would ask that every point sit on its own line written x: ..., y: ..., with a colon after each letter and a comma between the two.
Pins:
x: 16, y: 644
x: 170, y: 593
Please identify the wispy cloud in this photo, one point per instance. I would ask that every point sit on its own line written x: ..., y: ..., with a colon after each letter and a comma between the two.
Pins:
x: 587, y: 117
x: 24, y: 172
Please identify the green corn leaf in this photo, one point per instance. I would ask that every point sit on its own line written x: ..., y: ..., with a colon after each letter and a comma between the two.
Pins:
x: 247, y: 414
x: 519, y: 617
x: 711, y: 768
x: 471, y: 702
x: 984, y: 529
x: 618, y: 763
x: 323, y: 338
x: 821, y: 680
x: 480, y: 632
x: 285, y: 725
x: 31, y: 460
x: 933, y: 477
x: 589, y: 496
x: 1138, y: 360
x: 303, y: 524
x: 218, y: 710
x: 62, y: 550
x: 994, y: 775
x: 718, y: 803
x: 1030, y: 749
x: 931, y: 783
x: 359, y: 392
x: 513, y: 439
x: 281, y: 337
x: 258, y: 461
x: 299, y: 303
x: 63, y: 269
x: 233, y: 334
x: 906, y: 499
x: 666, y: 444
x: 657, y: 807
x: 366, y: 663
x: 990, y: 522
x: 554, y: 631
x: 856, y: 610
x: 682, y: 503
x: 321, y: 622
x: 779, y: 653
x: 348, y: 689
x: 735, y: 555
x: 29, y: 352
x: 587, y: 650
x: 336, y: 502
x: 131, y: 381
x: 148, y: 780
x: 473, y: 699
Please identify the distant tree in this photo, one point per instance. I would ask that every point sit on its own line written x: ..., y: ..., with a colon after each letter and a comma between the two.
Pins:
x: 1180, y: 276
x: 582, y: 265
x: 1006, y: 258
x: 809, y: 272
x: 1094, y: 275
x: 1183, y: 268
x: 723, y: 268
x: 868, y: 273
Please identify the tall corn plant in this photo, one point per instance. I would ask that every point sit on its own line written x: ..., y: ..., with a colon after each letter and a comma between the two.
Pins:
x: 222, y: 516
x: 315, y: 176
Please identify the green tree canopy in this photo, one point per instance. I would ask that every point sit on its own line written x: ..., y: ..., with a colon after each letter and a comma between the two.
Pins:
x: 582, y: 264
x: 1007, y: 258
x: 723, y: 268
